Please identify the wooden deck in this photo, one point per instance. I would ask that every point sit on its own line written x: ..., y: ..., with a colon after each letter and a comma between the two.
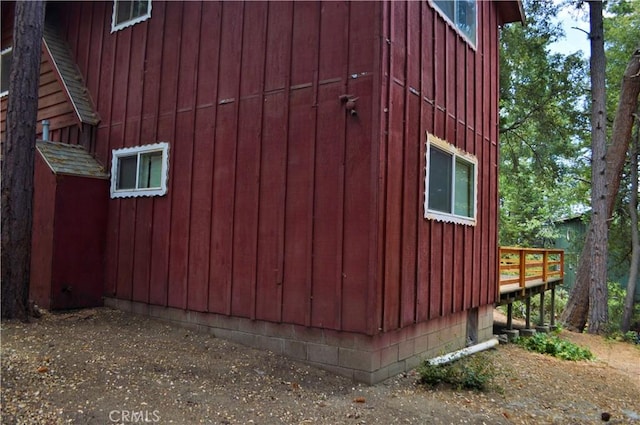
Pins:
x: 525, y: 272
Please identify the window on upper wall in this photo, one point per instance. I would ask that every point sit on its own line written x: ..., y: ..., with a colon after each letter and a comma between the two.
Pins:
x: 461, y: 14
x: 6, y: 58
x: 129, y: 12
x: 450, y: 183
x: 140, y: 171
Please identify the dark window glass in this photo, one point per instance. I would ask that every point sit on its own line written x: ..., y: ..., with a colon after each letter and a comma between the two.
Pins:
x: 462, y: 14
x: 439, y: 180
x: 447, y: 7
x: 150, y: 173
x: 127, y: 170
x: 466, y: 18
x: 128, y: 10
x: 463, y: 203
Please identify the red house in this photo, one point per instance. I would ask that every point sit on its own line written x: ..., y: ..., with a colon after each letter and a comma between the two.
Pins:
x: 314, y: 178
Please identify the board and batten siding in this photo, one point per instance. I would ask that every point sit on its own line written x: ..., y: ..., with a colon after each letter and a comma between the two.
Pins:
x: 281, y: 206
x: 53, y: 103
x: 436, y: 83
x: 268, y: 213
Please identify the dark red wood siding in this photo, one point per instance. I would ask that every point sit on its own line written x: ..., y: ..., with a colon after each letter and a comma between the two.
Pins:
x: 69, y: 221
x: 268, y: 214
x: 282, y: 206
x: 437, y: 83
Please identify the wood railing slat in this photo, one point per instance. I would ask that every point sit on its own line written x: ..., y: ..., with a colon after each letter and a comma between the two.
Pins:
x: 522, y: 265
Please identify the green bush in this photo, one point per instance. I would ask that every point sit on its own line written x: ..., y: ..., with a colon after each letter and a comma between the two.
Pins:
x: 555, y: 346
x: 617, y: 295
x: 475, y: 372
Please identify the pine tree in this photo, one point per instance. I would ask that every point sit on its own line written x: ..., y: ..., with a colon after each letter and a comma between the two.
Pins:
x: 18, y: 153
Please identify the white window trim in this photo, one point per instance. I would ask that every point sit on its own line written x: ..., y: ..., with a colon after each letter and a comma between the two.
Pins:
x: 472, y: 43
x: 2, y: 52
x: 443, y: 216
x: 132, y: 193
x: 129, y: 23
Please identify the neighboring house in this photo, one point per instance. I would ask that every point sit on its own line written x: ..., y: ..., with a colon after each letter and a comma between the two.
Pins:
x: 314, y: 178
x: 572, y: 231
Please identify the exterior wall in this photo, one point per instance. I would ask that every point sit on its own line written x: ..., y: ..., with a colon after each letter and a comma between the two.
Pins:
x: 364, y: 358
x: 436, y: 83
x: 78, y: 242
x: 68, y: 239
x: 52, y: 106
x: 44, y: 201
x: 283, y: 210
x: 52, y: 101
x: 268, y: 214
x: 274, y: 210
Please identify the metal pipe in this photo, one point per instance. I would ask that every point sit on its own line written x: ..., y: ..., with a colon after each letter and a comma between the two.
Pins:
x: 45, y: 130
x: 493, y: 342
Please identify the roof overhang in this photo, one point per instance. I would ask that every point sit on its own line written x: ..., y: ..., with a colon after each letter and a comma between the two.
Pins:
x: 511, y: 11
x: 68, y: 75
x: 70, y: 160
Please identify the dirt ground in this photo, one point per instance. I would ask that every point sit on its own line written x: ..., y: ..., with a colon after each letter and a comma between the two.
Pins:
x: 102, y: 366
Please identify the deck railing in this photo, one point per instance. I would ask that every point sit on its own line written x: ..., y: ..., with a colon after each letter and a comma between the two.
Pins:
x: 522, y: 268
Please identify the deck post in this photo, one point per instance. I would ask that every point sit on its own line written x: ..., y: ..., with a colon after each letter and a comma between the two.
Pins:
x: 528, y: 318
x: 541, y: 320
x: 552, y: 320
x: 510, y: 316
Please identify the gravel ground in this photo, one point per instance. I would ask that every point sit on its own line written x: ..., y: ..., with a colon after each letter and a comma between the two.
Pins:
x: 102, y: 366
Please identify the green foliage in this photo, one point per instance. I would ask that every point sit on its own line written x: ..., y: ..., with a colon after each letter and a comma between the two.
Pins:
x: 616, y: 310
x: 475, y: 372
x: 543, y: 128
x: 555, y: 346
x: 622, y: 37
x: 631, y: 337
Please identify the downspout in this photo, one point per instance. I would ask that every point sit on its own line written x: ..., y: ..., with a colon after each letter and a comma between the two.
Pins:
x: 464, y: 352
x: 45, y: 130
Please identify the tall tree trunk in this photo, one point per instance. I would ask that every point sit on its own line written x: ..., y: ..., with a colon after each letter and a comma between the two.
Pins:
x: 598, y: 297
x: 18, y: 153
x: 574, y: 317
x: 635, y: 240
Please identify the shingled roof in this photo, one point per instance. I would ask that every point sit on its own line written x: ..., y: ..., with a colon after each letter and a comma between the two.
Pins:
x: 63, y: 158
x: 61, y: 59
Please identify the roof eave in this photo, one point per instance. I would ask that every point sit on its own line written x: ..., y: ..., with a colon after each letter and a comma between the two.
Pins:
x: 511, y: 11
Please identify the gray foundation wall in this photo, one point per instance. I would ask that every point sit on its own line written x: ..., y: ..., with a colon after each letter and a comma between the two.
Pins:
x: 364, y: 358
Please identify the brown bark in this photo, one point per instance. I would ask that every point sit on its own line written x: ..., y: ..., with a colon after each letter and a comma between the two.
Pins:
x: 598, y: 296
x: 625, y: 325
x: 574, y: 317
x: 18, y: 153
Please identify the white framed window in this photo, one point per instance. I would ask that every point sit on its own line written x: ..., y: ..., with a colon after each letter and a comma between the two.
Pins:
x: 140, y: 171
x: 451, y: 182
x: 6, y: 59
x: 462, y: 14
x: 129, y: 12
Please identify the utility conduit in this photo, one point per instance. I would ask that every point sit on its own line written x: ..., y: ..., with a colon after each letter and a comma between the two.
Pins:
x: 464, y: 352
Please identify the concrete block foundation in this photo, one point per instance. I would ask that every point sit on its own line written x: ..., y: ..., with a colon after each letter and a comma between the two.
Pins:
x: 363, y: 358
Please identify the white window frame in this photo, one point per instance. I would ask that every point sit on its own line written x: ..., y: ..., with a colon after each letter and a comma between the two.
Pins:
x: 455, y: 154
x: 453, y: 21
x: 138, y: 151
x: 117, y: 27
x: 2, y: 53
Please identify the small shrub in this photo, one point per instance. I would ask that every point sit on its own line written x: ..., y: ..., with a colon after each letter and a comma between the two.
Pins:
x: 555, y: 346
x: 632, y: 337
x: 475, y: 372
